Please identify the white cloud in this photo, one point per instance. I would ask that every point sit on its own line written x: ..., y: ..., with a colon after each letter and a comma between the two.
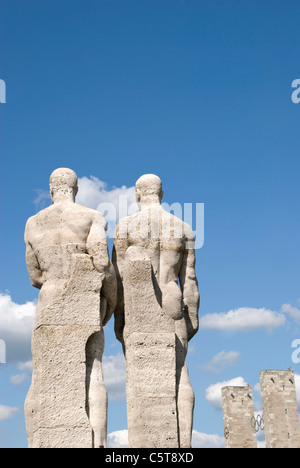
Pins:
x: 292, y: 312
x: 114, y: 370
x: 118, y: 439
x: 42, y: 199
x: 26, y: 367
x: 94, y: 193
x: 16, y: 324
x: 201, y: 440
x: 7, y: 412
x: 213, y: 393
x: 261, y: 444
x: 18, y: 379
x: 257, y: 387
x: 243, y: 319
x: 222, y: 360
x: 114, y: 203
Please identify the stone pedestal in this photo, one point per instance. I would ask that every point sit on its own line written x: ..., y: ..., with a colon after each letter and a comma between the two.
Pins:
x: 150, y: 343
x: 57, y: 406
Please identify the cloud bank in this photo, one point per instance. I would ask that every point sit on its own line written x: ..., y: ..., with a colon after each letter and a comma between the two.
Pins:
x: 94, y: 193
x: 293, y: 312
x: 119, y: 439
x: 243, y: 319
x: 8, y: 412
x: 16, y: 324
x: 213, y: 393
x: 114, y: 370
x: 221, y: 361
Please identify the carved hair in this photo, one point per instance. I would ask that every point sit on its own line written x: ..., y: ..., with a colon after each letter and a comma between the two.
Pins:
x: 64, y: 181
x: 148, y: 185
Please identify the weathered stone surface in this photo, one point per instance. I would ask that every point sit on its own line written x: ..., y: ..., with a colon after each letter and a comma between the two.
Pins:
x: 238, y: 417
x: 150, y: 360
x: 67, y: 259
x: 151, y: 390
x: 144, y: 311
x: 280, y: 409
x: 155, y: 319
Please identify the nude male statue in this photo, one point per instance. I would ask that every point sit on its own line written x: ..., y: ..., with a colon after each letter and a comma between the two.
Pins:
x: 169, y: 244
x: 68, y: 261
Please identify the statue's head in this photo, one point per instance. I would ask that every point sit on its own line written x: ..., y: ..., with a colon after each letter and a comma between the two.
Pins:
x: 149, y: 190
x: 63, y: 185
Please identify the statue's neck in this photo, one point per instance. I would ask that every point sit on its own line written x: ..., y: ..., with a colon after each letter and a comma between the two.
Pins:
x: 151, y: 200
x: 63, y: 198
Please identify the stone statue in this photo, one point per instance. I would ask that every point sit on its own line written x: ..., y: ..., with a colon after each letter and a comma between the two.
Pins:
x: 156, y: 317
x: 67, y: 259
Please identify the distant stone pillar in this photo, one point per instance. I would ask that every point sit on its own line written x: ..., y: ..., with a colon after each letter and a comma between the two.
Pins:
x: 150, y: 343
x: 280, y: 409
x: 238, y: 416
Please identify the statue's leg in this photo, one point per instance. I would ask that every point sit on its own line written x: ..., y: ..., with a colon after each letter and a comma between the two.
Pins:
x: 96, y: 392
x: 185, y: 393
x: 186, y: 403
x: 30, y: 412
x: 31, y: 401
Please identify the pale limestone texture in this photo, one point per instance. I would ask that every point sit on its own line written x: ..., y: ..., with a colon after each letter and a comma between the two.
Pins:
x: 67, y: 259
x: 280, y: 409
x: 156, y: 317
x: 238, y: 417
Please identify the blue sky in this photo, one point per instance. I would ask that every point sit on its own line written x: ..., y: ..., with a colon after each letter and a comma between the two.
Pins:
x: 198, y: 92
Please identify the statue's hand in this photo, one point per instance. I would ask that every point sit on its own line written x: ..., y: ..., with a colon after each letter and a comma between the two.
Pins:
x: 172, y: 301
x: 192, y: 327
x: 107, y: 308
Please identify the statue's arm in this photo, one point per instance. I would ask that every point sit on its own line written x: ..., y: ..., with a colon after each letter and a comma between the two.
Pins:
x: 97, y: 248
x: 33, y: 266
x: 189, y: 285
x: 119, y: 252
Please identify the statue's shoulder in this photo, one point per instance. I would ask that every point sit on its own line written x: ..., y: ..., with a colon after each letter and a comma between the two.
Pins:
x: 123, y: 226
x: 35, y: 219
x: 122, y: 223
x: 89, y: 211
x: 35, y: 222
x: 128, y: 219
x: 180, y: 225
x: 93, y: 215
x: 188, y: 231
x: 176, y: 220
x: 28, y: 228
